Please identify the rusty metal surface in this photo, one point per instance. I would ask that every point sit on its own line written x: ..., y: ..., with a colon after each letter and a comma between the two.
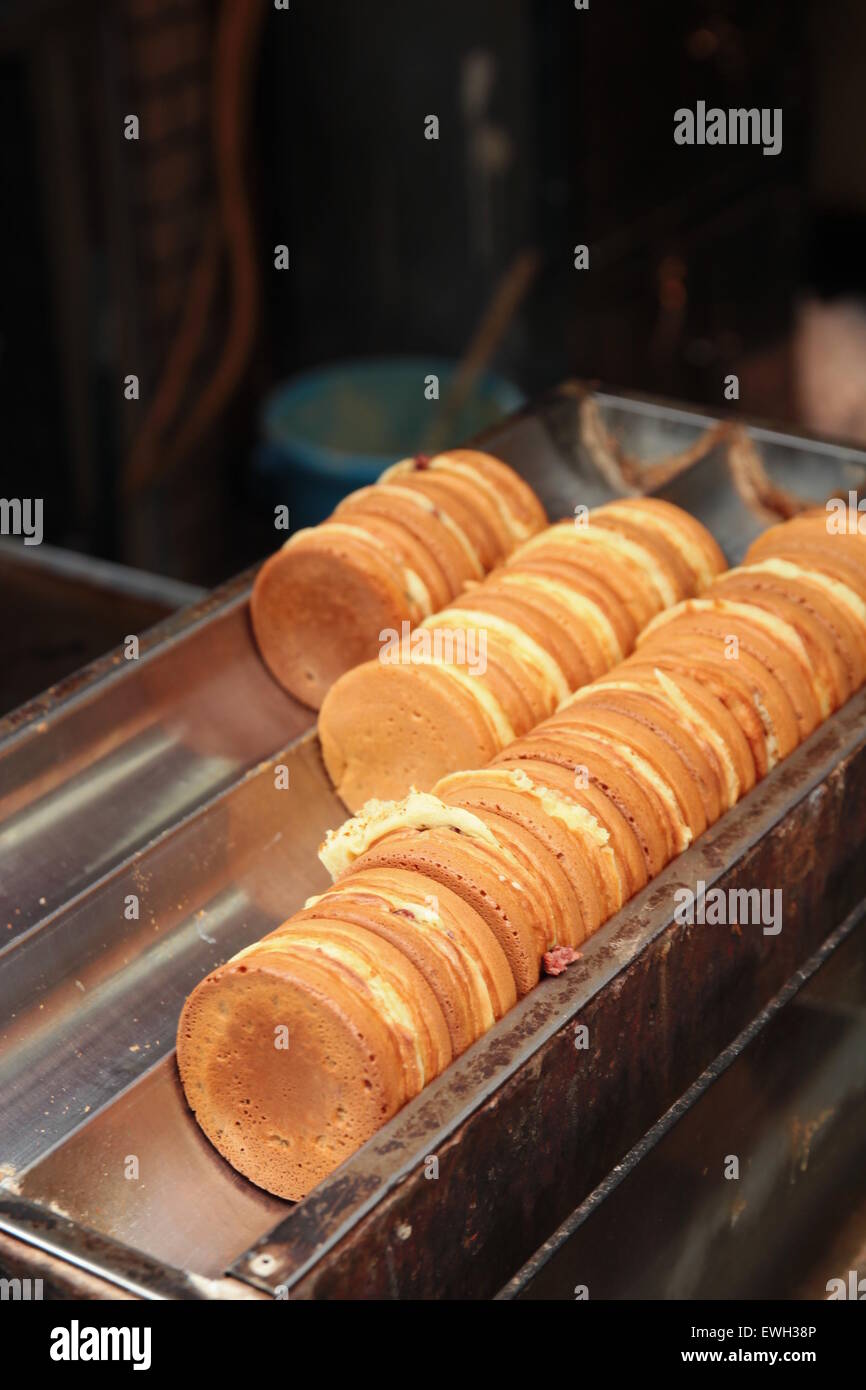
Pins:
x: 155, y: 780
x: 675, y: 1220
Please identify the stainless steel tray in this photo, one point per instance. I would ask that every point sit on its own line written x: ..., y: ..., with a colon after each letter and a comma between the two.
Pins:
x: 151, y: 782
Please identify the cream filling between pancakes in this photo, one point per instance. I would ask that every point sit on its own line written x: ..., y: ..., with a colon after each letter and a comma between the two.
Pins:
x: 416, y: 590
x: 539, y: 663
x: 776, y: 627
x: 677, y: 536
x: 700, y: 726
x: 390, y: 1002
x: 770, y: 737
x: 833, y: 588
x: 497, y: 721
x: 418, y: 593
x: 577, y: 819
x: 581, y: 607
x: 437, y: 509
x: 614, y: 544
x: 417, y: 811
x: 517, y: 529
x: 429, y: 921
x: 644, y: 769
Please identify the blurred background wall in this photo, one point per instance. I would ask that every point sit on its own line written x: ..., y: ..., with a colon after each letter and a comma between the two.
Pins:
x: 260, y: 127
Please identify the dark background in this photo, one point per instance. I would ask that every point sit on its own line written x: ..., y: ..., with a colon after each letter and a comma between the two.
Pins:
x: 306, y: 127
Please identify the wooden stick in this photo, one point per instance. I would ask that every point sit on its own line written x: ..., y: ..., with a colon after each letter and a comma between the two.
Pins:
x: 507, y: 298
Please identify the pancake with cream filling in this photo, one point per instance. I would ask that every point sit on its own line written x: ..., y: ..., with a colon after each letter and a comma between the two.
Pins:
x: 296, y: 1051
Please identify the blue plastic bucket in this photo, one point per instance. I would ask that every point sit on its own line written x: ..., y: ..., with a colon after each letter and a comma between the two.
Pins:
x: 336, y: 428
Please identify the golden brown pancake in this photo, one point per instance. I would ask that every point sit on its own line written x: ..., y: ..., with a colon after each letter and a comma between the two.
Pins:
x: 773, y: 651
x: 566, y: 545
x: 836, y: 563
x: 431, y: 723
x: 468, y: 932
x: 448, y: 548
x: 549, y: 627
x: 653, y: 759
x: 297, y: 1050
x: 556, y: 905
x: 586, y: 885
x: 486, y: 878
x: 696, y: 546
x: 600, y: 809
x: 835, y: 645
x: 707, y: 717
x: 349, y: 903
x: 390, y: 554
x: 532, y: 672
x: 429, y: 925
x: 593, y: 589
x: 544, y: 614
x: 733, y: 683
x: 415, y: 560
x: 667, y: 725
x: 596, y: 548
x: 446, y: 903
x: 456, y: 496
x: 606, y: 770
x: 666, y: 557
x: 318, y: 606
x: 500, y: 490
x: 534, y: 641
x: 810, y: 528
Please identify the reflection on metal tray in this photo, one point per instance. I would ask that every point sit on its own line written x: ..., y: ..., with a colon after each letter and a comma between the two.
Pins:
x: 143, y: 840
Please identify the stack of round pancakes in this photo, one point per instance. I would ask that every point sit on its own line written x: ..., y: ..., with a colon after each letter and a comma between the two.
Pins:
x: 445, y: 904
x: 391, y: 553
x: 565, y: 608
